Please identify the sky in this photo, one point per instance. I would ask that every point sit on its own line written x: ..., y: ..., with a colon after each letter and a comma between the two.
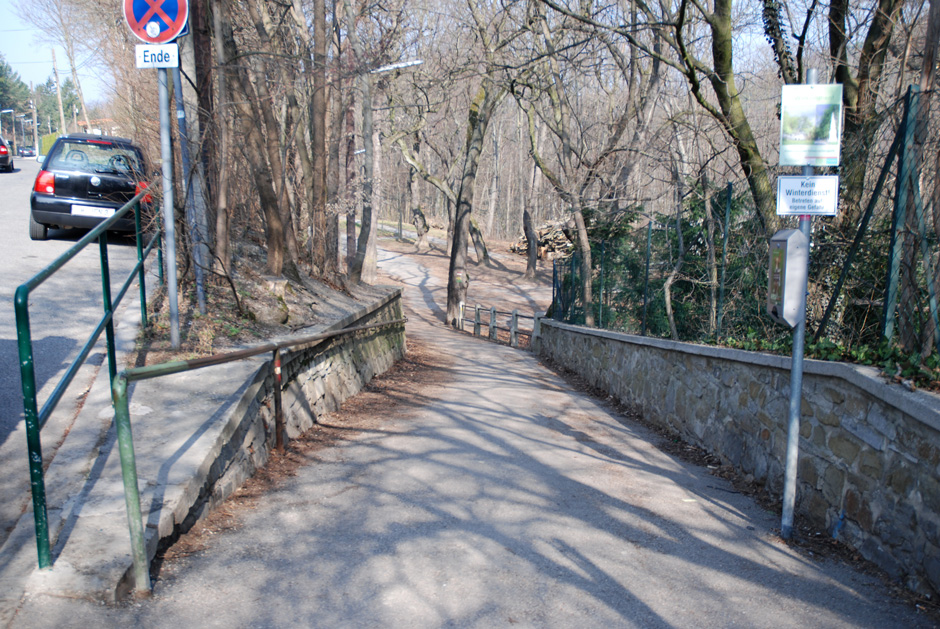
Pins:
x: 31, y: 58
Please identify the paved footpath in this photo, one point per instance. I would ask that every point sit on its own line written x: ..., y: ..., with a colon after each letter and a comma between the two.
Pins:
x: 498, y: 497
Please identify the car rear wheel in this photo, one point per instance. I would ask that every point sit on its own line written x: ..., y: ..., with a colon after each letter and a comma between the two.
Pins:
x: 10, y: 167
x: 37, y: 231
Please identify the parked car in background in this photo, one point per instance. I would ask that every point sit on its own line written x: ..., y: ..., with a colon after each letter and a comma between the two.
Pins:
x: 84, y: 180
x: 6, y: 156
x: 27, y: 151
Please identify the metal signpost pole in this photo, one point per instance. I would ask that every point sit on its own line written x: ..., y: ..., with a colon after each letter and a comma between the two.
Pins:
x: 199, y: 248
x: 796, y: 378
x: 158, y: 24
x: 169, y: 224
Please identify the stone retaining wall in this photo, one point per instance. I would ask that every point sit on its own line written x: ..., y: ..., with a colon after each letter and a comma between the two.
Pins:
x: 869, y: 451
x: 315, y: 380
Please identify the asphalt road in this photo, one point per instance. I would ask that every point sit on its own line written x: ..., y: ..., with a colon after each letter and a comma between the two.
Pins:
x: 493, y: 495
x: 63, y: 313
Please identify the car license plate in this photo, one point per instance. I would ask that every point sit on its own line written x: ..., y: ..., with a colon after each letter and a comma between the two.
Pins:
x: 90, y: 210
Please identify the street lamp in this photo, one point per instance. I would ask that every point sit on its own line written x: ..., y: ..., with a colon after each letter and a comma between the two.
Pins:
x: 5, y: 111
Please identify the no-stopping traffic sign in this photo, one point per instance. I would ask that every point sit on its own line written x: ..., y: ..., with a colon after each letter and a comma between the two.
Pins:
x: 156, y: 21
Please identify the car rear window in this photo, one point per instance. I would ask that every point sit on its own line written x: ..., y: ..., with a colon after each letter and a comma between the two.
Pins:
x: 101, y: 157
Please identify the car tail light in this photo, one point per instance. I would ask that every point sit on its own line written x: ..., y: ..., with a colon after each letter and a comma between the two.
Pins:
x: 3, y: 150
x: 141, y: 186
x: 45, y: 182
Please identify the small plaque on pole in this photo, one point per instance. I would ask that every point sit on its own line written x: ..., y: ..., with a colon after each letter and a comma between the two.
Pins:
x: 807, y: 196
x: 163, y: 56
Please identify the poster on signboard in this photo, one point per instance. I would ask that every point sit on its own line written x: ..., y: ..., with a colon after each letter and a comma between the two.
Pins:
x: 810, y: 125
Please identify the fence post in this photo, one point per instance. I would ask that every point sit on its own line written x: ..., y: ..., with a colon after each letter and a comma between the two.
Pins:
x: 33, y: 441
x: 278, y: 405
x: 135, y: 523
x: 573, y: 287
x: 159, y: 237
x: 899, y: 218
x: 724, y: 262
x: 476, y: 320
x: 492, y: 323
x: 556, y: 306
x: 106, y: 300
x: 536, y: 340
x: 514, y: 329
x: 646, y: 282
x: 460, y: 310
x: 141, y: 273
x: 600, y: 306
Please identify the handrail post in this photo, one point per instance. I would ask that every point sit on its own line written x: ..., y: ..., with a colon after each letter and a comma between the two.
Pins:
x: 514, y: 329
x: 135, y: 523
x: 492, y: 323
x: 536, y: 340
x: 278, y: 407
x: 33, y: 441
x: 476, y: 320
x: 159, y: 237
x: 106, y: 301
x: 141, y: 274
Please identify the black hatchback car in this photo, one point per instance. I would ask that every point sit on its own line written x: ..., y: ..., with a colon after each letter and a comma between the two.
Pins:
x: 84, y: 180
x: 6, y: 156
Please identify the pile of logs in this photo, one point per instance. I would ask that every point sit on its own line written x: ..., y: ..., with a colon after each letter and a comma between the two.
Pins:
x: 553, y: 242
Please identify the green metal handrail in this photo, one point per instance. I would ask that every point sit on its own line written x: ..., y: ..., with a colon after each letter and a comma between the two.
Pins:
x: 122, y: 421
x: 37, y: 418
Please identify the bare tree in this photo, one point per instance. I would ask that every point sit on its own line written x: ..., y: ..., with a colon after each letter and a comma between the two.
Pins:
x: 248, y: 113
x: 56, y: 20
x: 585, y: 140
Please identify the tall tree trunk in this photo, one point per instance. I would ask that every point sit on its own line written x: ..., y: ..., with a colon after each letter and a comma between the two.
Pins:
x: 272, y: 148
x: 491, y: 209
x: 928, y: 77
x: 733, y: 117
x: 417, y: 216
x: 271, y: 142
x: 58, y: 92
x: 532, y: 242
x: 261, y: 172
x: 494, y: 186
x: 479, y: 244
x: 449, y: 206
x: 859, y: 96
x: 587, y: 277
x: 222, y: 249
x: 487, y: 99
x: 362, y: 267
x: 350, y: 179
x: 70, y: 53
x: 318, y: 138
x: 338, y: 115
x: 928, y: 73
x: 531, y: 235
